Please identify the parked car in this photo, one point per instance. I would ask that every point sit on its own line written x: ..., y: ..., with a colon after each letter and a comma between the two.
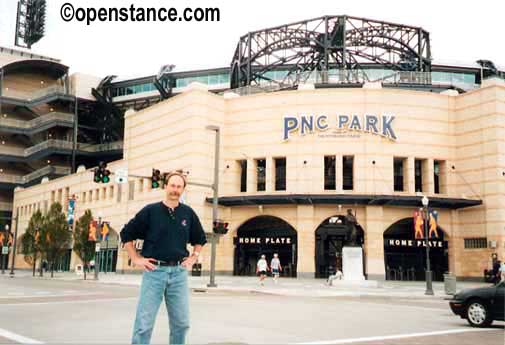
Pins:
x: 480, y: 306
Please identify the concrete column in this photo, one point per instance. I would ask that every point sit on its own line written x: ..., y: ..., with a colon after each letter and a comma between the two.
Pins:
x: 374, y: 228
x: 428, y: 179
x: 339, y: 173
x: 443, y: 177
x: 270, y: 174
x: 363, y: 170
x: 251, y: 175
x: 305, y: 229
x: 410, y: 178
x: 292, y: 173
x: 453, y: 239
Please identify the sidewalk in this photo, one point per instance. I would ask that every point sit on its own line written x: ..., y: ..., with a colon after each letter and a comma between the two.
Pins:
x: 285, y: 286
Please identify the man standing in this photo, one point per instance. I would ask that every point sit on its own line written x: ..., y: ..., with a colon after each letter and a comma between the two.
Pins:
x: 502, y: 271
x: 276, y: 267
x: 166, y: 227
x: 262, y: 268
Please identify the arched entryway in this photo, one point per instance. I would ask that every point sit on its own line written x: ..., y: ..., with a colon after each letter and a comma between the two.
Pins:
x: 405, y: 256
x: 331, y: 236
x: 265, y: 235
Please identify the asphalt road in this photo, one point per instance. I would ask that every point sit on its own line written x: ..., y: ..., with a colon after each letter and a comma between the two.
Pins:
x: 55, y: 311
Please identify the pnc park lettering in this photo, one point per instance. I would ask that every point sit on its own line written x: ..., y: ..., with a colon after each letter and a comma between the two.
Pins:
x: 307, y: 124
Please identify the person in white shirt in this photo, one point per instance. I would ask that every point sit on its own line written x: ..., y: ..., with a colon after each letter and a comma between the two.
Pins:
x: 262, y: 268
x: 276, y: 267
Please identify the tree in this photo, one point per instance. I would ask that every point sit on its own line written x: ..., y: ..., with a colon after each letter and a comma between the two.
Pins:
x: 84, y: 249
x: 29, y: 245
x: 55, y: 237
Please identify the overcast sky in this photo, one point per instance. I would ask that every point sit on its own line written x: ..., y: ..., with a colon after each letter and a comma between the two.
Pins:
x: 463, y: 31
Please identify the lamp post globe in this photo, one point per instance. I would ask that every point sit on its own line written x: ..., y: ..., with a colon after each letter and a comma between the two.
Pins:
x: 425, y: 201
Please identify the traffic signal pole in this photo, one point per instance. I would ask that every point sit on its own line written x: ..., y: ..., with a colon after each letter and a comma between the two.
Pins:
x: 215, y: 187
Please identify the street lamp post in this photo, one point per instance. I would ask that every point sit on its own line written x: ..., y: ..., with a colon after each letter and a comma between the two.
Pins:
x: 429, y: 287
x: 35, y: 243
x: 215, y: 187
x: 14, y: 245
x: 97, y: 245
x: 5, y: 240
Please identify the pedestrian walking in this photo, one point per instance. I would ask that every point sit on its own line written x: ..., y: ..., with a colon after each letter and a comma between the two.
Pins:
x: 496, y: 271
x: 166, y: 227
x: 262, y: 268
x: 502, y: 271
x: 276, y: 267
x: 337, y: 276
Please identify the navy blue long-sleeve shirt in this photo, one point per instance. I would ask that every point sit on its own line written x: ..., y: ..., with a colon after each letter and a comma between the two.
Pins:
x: 165, y: 232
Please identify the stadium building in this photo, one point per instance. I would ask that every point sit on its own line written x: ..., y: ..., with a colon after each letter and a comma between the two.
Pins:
x: 316, y: 118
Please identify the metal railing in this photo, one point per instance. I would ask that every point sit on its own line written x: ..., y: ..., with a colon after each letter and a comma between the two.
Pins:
x: 116, y: 145
x: 418, y: 78
x: 20, y: 124
x: 5, y: 206
x: 12, y: 151
x: 426, y: 78
x: 264, y: 87
x: 352, y: 77
x: 19, y: 94
x: 51, y: 143
x: 47, y: 170
x: 9, y: 178
x: 64, y: 145
x: 53, y: 89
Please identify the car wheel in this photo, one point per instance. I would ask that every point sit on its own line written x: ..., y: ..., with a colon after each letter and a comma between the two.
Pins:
x: 477, y: 314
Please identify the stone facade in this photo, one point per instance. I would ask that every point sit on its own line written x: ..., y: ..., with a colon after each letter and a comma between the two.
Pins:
x: 464, y: 132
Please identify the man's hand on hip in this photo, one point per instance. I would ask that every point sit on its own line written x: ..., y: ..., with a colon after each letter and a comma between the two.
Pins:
x: 146, y: 263
x: 189, y: 262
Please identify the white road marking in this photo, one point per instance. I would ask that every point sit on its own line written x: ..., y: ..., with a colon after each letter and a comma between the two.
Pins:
x: 397, y: 336
x: 72, y: 302
x: 18, y: 338
x: 48, y: 294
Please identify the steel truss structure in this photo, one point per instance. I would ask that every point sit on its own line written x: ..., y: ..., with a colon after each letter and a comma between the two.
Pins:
x: 107, y: 116
x: 327, y: 43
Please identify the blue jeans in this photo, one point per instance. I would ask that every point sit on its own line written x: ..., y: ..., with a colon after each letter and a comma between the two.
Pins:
x: 170, y: 282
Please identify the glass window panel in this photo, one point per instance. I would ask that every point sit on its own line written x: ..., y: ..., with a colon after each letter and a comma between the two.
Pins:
x: 213, y: 79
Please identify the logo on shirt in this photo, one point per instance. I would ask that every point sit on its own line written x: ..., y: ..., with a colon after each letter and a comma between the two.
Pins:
x: 184, y: 222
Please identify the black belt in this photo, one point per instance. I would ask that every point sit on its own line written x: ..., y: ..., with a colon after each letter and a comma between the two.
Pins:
x: 168, y: 263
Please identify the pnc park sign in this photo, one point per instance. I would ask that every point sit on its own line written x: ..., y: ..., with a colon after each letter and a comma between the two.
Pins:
x: 308, y: 124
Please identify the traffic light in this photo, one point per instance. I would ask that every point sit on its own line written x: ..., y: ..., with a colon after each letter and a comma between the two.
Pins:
x: 101, y: 174
x: 106, y: 174
x: 220, y: 227
x: 156, y: 179
x: 97, y: 176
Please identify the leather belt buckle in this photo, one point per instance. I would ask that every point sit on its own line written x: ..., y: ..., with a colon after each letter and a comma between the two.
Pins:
x: 168, y: 263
